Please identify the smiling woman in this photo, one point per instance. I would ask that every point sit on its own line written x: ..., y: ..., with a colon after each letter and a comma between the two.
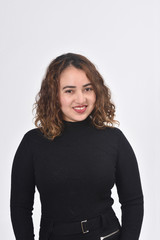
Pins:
x: 74, y: 157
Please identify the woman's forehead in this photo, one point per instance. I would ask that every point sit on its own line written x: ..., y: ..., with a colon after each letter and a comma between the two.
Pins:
x: 73, y: 76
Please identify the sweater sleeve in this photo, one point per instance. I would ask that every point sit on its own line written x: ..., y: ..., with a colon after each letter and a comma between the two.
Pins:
x: 129, y: 190
x: 22, y: 192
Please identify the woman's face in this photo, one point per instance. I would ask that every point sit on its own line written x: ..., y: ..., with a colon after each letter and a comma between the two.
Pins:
x: 76, y: 95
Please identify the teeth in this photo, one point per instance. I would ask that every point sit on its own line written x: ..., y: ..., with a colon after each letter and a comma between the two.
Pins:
x: 79, y: 108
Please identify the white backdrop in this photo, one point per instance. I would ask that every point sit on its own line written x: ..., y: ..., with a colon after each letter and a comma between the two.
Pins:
x: 122, y: 39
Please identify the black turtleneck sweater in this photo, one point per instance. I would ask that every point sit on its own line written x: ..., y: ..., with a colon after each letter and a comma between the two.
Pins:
x: 74, y: 175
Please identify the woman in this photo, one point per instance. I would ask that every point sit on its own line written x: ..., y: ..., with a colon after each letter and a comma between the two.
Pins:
x: 74, y: 157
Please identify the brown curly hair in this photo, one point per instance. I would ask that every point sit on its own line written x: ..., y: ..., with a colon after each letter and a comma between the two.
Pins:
x: 47, y: 105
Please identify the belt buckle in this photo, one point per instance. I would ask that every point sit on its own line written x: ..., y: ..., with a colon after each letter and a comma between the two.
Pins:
x: 83, y: 227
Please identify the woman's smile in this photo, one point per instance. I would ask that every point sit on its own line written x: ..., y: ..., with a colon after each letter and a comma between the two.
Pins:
x: 80, y: 109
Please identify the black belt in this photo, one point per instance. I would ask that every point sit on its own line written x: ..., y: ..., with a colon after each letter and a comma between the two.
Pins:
x: 86, y: 225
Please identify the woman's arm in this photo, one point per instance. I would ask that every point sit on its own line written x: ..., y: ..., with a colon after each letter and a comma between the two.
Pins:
x: 22, y: 192
x: 129, y: 190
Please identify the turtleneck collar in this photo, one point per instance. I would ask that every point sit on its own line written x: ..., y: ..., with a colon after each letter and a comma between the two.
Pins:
x: 84, y: 122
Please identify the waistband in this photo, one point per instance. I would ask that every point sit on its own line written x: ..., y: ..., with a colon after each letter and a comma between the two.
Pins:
x: 106, y: 219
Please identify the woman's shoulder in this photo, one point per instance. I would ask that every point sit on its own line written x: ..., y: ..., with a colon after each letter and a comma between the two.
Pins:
x: 117, y: 130
x: 33, y: 134
x: 113, y: 133
x: 118, y: 133
x: 113, y: 130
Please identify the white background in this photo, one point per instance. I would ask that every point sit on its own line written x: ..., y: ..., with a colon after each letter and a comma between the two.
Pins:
x: 121, y: 38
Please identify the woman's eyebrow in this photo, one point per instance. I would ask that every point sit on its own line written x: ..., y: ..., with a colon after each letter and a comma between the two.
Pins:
x: 75, y: 86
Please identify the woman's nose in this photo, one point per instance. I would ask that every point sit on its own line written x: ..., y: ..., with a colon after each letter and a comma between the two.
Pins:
x: 80, y: 98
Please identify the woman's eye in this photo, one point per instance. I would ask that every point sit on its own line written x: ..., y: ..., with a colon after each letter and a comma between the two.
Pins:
x: 89, y: 89
x: 68, y: 91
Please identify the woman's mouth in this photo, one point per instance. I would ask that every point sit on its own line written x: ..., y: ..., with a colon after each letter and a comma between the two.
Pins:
x: 80, y: 109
